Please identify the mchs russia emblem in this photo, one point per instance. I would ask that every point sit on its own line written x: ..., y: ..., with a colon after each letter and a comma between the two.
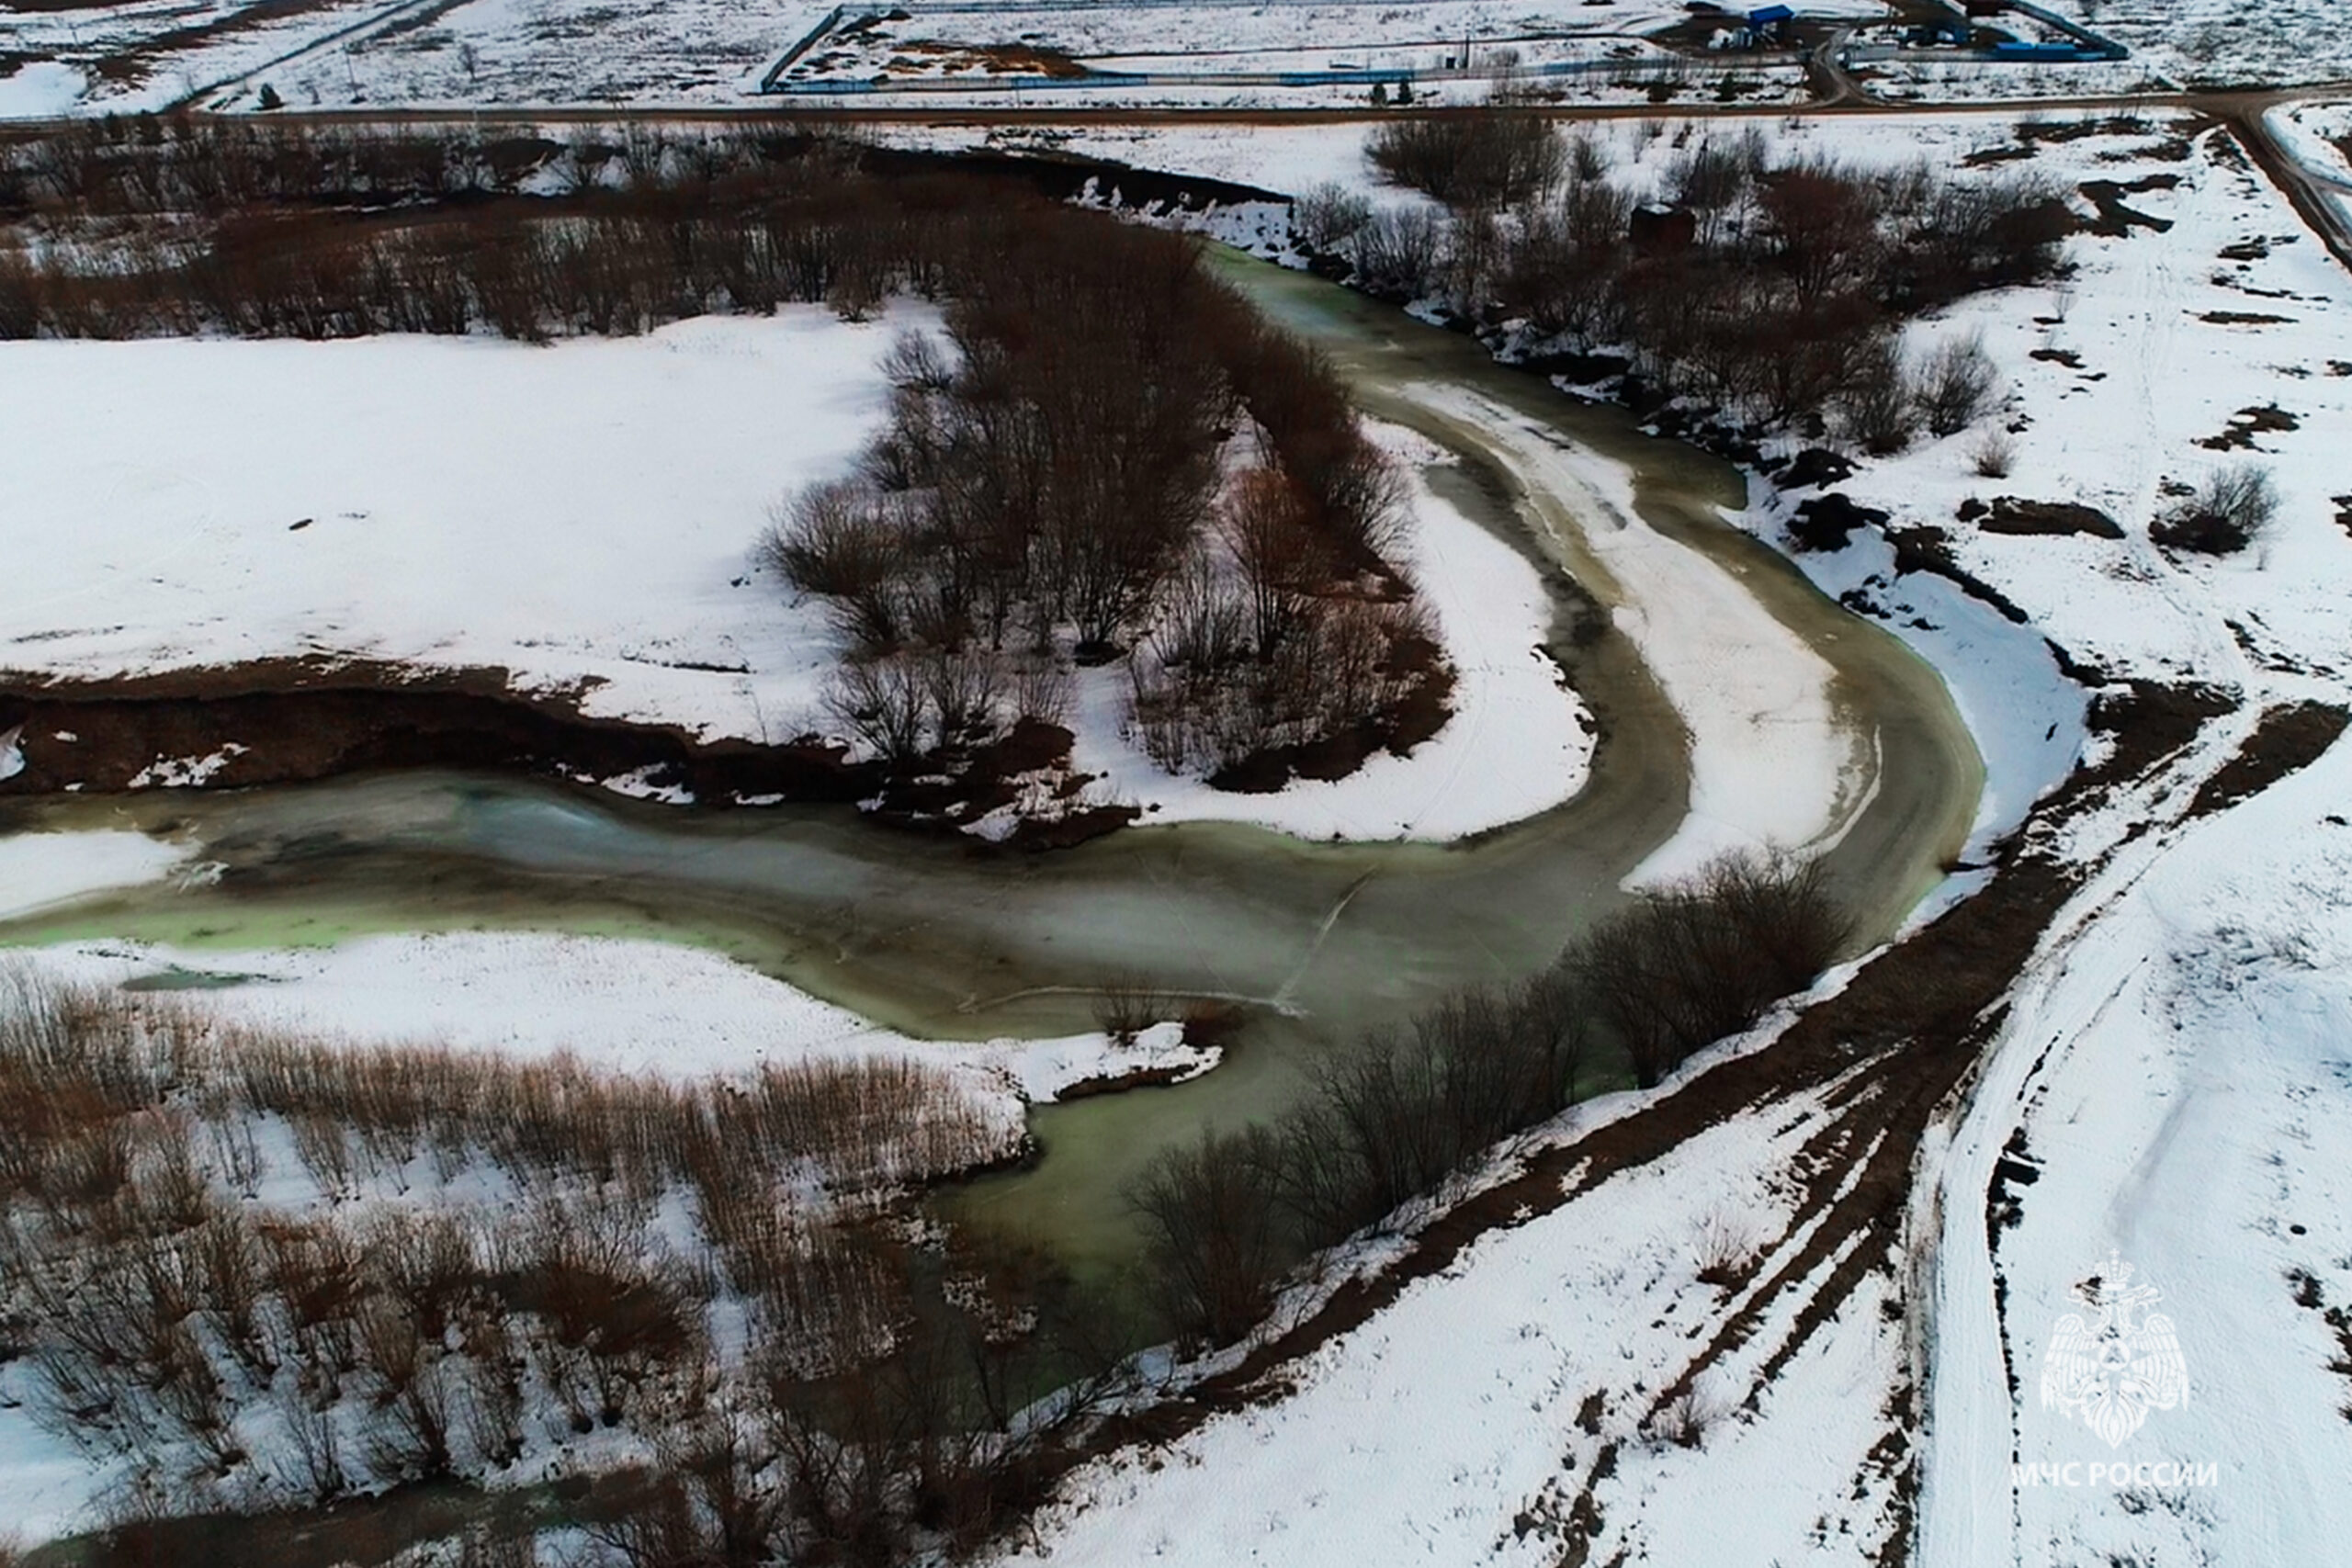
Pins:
x: 2113, y: 1369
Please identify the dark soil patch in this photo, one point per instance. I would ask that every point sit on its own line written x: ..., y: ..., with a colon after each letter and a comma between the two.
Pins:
x: 2147, y: 722
x: 1828, y: 522
x: 2244, y: 319
x: 134, y: 64
x: 1815, y: 465
x: 1120, y: 1083
x: 2117, y: 218
x: 1064, y: 177
x: 1925, y: 549
x: 2342, y: 512
x: 2247, y: 424
x: 1026, y: 60
x: 2058, y: 131
x: 2287, y: 741
x: 2065, y: 356
x: 2009, y: 514
x: 300, y: 721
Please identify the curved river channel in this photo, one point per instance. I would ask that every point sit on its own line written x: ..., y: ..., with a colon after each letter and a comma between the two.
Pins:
x: 936, y: 940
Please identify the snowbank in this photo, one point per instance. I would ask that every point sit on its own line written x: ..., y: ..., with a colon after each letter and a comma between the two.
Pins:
x: 41, y: 869
x: 627, y: 1006
x: 1773, y: 763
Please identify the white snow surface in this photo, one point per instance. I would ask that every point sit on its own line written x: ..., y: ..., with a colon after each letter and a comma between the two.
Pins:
x: 41, y: 869
x: 578, y: 513
x: 2178, y: 1084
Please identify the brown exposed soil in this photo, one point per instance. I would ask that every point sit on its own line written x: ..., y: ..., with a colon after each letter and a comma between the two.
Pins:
x: 2247, y: 424
x: 300, y: 721
x: 1119, y: 1083
x: 136, y: 63
x: 296, y: 721
x: 2285, y: 741
x: 2010, y: 514
x: 2117, y: 218
x: 1925, y: 549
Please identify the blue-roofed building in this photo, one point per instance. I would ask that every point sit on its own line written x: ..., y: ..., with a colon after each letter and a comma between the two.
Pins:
x: 1768, y: 24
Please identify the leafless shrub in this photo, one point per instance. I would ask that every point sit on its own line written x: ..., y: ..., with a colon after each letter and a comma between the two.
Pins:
x: 1692, y: 965
x: 1681, y: 1422
x: 2224, y: 515
x: 1955, y: 385
x: 1397, y: 253
x: 1125, y: 1005
x: 884, y: 703
x: 836, y: 541
x: 1213, y: 1245
x: 1995, y: 454
x: 1040, y: 689
x: 1323, y: 218
x: 1722, y: 1249
x: 1879, y: 406
x: 1500, y: 158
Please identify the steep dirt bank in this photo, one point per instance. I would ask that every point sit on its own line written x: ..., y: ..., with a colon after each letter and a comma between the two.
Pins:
x: 297, y: 721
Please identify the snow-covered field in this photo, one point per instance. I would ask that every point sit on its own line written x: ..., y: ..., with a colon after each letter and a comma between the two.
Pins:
x: 2226, y: 41
x: 578, y: 514
x: 347, y: 54
x: 1454, y: 1426
x: 353, y: 53
x: 582, y: 516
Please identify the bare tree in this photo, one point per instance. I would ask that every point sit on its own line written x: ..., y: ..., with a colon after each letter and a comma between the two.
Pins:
x: 1956, y: 384
x: 2222, y: 516
x: 1212, y: 1243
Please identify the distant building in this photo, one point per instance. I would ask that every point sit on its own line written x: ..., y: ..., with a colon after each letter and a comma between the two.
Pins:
x: 1659, y: 228
x: 1768, y: 24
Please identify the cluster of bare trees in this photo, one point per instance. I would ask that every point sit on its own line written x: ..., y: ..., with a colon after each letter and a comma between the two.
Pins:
x: 490, y: 1262
x: 1260, y: 660
x: 1391, y: 1118
x: 1767, y: 289
x: 1052, y: 484
x: 742, y: 224
x: 1497, y: 159
x: 1053, y: 472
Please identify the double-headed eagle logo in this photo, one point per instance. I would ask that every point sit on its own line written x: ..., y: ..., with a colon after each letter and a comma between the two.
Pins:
x: 2114, y: 1371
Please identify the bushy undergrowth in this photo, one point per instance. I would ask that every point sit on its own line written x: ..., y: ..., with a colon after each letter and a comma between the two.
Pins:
x: 1767, y: 290
x: 1100, y: 424
x: 1393, y: 1117
x: 269, y: 1273
x: 1108, y: 441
